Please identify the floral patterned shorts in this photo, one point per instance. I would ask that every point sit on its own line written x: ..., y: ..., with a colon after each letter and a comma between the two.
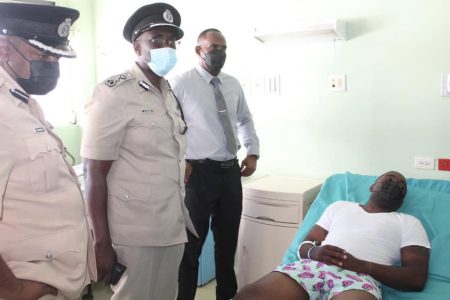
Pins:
x: 322, y: 281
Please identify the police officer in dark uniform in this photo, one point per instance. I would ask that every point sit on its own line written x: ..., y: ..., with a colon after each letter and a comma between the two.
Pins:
x: 45, y: 243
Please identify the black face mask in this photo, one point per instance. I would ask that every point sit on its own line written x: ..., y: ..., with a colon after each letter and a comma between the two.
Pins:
x: 215, y: 60
x: 43, y: 77
x: 389, y: 194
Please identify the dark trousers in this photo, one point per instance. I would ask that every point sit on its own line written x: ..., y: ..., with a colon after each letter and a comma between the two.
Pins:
x: 213, y: 191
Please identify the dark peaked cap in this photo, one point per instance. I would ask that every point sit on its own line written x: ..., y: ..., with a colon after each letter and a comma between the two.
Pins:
x: 151, y: 16
x: 45, y: 27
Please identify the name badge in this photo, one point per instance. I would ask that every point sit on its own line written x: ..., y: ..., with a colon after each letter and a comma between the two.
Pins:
x: 144, y: 85
x: 39, y: 129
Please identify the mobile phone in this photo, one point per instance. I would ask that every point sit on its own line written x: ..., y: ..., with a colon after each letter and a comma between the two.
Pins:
x: 117, y: 271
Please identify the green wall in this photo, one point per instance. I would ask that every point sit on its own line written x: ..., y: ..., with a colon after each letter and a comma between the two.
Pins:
x: 83, y: 78
x: 393, y: 59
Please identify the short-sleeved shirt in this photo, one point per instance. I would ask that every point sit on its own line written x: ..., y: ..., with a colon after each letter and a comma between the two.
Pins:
x: 140, y: 128
x: 44, y: 233
x: 375, y: 237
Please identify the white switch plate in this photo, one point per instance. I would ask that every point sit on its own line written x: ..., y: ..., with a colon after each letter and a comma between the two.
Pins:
x: 337, y: 83
x: 445, y: 84
x: 426, y: 163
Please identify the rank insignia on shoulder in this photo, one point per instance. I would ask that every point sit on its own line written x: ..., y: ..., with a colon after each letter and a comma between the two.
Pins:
x: 22, y: 96
x: 115, y: 80
x: 110, y: 82
x: 144, y: 85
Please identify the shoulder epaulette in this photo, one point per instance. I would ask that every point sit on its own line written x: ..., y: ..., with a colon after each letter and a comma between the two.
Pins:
x: 116, y: 80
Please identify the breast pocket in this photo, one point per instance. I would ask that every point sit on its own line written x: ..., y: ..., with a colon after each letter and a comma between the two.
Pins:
x: 149, y: 131
x: 232, y: 104
x: 43, y: 166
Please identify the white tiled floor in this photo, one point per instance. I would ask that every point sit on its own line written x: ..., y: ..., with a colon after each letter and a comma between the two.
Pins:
x: 207, y: 292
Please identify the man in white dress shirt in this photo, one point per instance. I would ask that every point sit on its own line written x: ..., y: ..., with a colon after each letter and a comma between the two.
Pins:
x: 216, y: 113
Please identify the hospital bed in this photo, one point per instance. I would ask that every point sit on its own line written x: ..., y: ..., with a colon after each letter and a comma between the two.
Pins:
x: 427, y: 199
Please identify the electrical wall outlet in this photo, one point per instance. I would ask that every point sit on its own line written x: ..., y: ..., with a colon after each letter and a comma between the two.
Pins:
x: 337, y: 83
x: 444, y: 164
x: 426, y: 163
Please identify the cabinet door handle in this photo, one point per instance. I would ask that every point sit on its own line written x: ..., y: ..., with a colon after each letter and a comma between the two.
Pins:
x: 265, y: 219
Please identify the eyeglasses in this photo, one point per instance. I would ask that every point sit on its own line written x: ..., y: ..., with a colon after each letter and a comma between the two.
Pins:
x: 159, y: 42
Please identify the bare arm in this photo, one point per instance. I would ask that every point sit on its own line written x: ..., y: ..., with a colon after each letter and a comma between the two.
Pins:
x: 316, y: 234
x: 411, y: 275
x: 327, y: 254
x: 96, y: 193
x: 12, y: 288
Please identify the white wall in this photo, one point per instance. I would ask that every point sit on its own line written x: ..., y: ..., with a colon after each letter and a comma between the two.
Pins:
x: 393, y: 59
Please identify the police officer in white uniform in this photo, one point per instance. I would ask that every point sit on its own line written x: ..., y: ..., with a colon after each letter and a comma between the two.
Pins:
x: 45, y: 243
x: 133, y: 148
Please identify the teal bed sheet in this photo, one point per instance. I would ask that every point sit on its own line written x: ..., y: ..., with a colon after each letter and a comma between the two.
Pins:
x: 427, y: 199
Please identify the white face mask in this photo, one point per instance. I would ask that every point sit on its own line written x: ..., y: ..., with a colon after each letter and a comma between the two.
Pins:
x: 162, y: 60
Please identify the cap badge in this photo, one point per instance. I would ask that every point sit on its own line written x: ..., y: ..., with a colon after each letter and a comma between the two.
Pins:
x: 64, y: 28
x: 167, y: 15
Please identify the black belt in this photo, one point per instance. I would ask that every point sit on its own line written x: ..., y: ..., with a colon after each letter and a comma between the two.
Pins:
x: 225, y: 164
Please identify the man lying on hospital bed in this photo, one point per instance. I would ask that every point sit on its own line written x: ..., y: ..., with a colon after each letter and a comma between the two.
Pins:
x: 352, y: 249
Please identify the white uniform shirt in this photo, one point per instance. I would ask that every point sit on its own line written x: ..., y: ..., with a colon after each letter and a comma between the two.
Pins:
x: 375, y: 237
x: 205, y: 135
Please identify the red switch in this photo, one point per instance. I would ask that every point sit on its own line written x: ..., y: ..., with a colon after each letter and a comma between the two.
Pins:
x: 444, y: 164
